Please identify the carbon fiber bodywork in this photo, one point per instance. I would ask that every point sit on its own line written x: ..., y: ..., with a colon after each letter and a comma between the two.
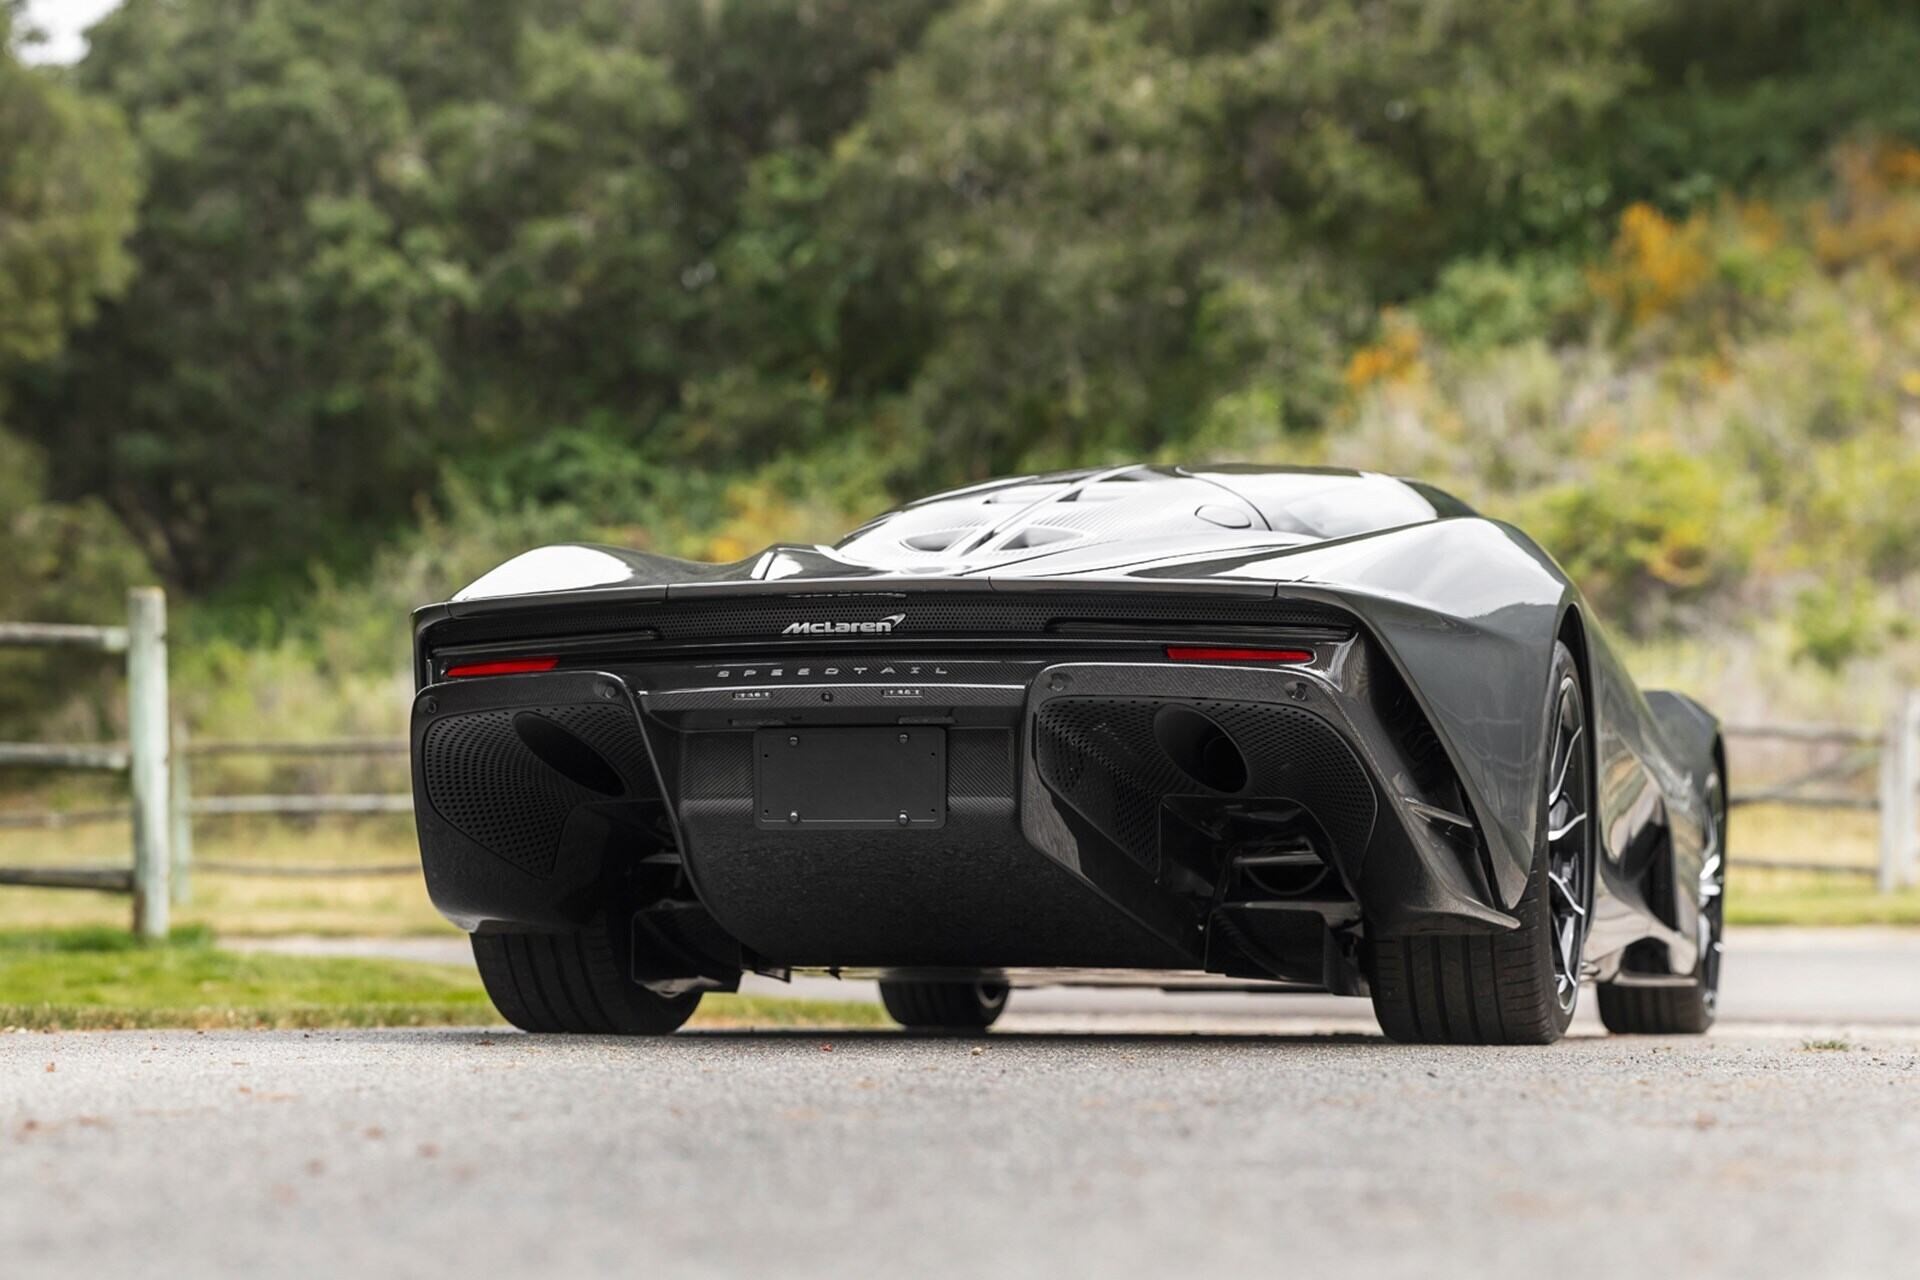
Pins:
x: 1093, y: 804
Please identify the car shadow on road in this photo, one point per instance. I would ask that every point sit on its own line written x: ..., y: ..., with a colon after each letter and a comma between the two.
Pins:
x: 1076, y: 1036
x: 826, y: 1039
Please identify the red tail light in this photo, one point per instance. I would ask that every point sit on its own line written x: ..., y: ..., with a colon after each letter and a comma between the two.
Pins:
x: 502, y: 667
x: 1199, y: 653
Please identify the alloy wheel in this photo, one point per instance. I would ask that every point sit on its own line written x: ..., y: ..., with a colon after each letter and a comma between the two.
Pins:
x: 1569, y: 802
x: 1713, y: 906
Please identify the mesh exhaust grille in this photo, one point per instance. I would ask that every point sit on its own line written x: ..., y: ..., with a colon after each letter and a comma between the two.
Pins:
x: 483, y: 780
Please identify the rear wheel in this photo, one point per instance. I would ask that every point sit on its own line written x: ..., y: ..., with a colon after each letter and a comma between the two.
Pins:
x: 1518, y: 987
x: 1686, y: 1009
x: 944, y: 1006
x: 573, y: 983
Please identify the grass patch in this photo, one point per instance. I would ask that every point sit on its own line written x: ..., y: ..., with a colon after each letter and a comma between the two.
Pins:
x: 737, y: 1012
x: 101, y: 979
x: 1826, y: 1046
x: 1780, y: 833
x: 1759, y: 896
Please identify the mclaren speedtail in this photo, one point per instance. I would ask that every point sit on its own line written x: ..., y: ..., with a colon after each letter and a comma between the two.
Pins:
x: 1215, y: 728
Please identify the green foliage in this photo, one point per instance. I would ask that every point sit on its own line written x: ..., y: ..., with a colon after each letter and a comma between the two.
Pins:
x: 382, y: 244
x: 379, y: 240
x: 1834, y: 624
x: 1864, y: 492
x: 68, y: 190
x: 64, y: 562
x: 1653, y: 528
x: 1480, y: 303
x: 409, y: 290
x: 1743, y: 92
x: 1103, y: 227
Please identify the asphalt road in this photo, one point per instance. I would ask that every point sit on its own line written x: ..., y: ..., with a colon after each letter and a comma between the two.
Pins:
x: 1242, y: 1136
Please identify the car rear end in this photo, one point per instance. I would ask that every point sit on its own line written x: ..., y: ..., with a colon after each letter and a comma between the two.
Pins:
x: 939, y: 777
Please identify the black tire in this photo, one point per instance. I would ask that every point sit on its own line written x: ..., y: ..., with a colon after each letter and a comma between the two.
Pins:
x: 944, y: 1006
x: 1683, y: 1010
x: 1514, y: 987
x: 572, y: 983
x: 1653, y: 1011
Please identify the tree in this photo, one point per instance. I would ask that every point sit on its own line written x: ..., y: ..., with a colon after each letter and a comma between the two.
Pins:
x: 68, y: 190
x: 382, y: 240
x: 1076, y: 229
x: 619, y: 252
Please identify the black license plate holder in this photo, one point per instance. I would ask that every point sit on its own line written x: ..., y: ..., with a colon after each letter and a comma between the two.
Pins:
x: 850, y: 779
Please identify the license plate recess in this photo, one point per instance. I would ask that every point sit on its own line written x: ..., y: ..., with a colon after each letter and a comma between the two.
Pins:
x: 849, y: 779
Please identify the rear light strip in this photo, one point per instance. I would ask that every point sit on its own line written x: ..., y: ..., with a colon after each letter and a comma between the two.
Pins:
x: 1207, y: 653
x: 504, y: 667
x: 1175, y: 653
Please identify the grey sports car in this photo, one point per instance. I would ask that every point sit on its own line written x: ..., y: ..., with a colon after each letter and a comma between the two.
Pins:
x: 1220, y: 728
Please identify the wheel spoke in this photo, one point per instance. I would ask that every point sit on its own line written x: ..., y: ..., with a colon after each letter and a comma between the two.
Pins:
x: 1710, y: 874
x: 1560, y: 774
x: 1568, y: 942
x: 1567, y: 895
x: 1561, y: 832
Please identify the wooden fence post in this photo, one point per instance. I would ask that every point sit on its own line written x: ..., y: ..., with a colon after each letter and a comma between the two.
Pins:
x: 148, y: 725
x: 181, y: 805
x: 1899, y: 777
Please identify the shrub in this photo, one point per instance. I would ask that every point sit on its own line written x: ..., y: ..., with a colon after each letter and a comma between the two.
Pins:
x: 1835, y: 623
x: 1655, y: 266
x: 1650, y: 530
x: 1481, y: 303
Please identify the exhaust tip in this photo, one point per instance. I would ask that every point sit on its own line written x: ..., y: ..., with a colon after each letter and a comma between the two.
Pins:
x: 1201, y: 749
x: 567, y: 754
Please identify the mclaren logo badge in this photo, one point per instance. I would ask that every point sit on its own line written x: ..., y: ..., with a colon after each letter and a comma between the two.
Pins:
x: 879, y: 628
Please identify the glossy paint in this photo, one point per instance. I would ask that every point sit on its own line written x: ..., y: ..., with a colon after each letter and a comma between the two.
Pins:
x: 1465, y: 609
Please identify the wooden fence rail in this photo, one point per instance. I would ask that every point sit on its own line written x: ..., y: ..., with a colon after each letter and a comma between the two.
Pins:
x: 38, y: 755
x: 1833, y: 733
x: 279, y: 747
x: 144, y: 758
x: 1895, y: 748
x: 46, y: 635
